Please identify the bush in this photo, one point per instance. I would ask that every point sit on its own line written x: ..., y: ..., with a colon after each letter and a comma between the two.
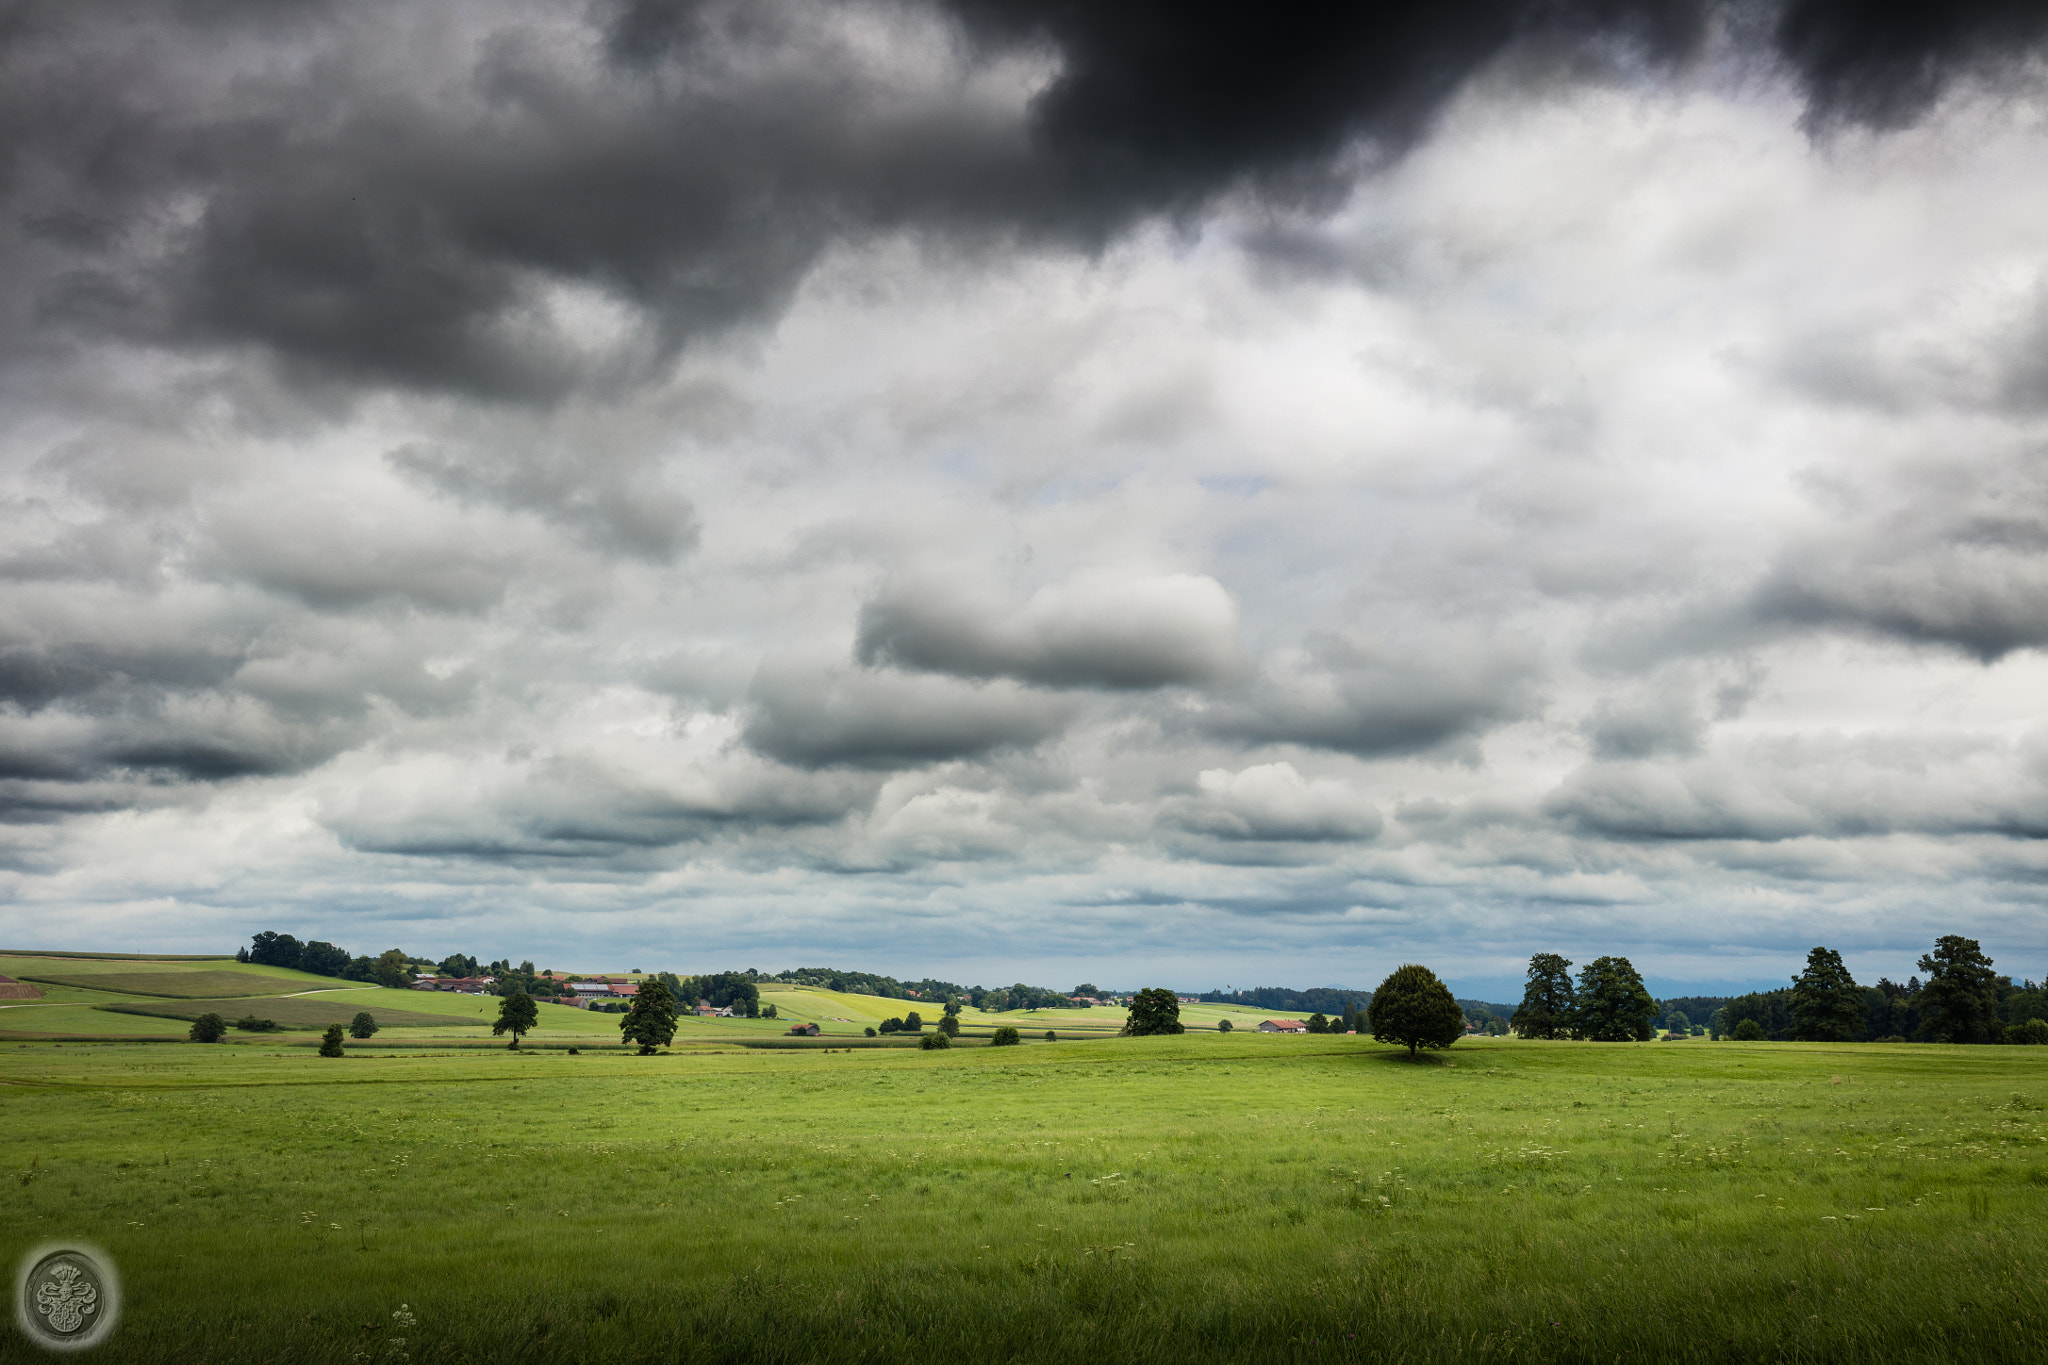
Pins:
x: 573, y: 1052
x: 1051, y: 1037
x: 932, y: 1042
x: 362, y: 1026
x: 1006, y: 1036
x: 330, y: 1042
x: 249, y: 1023
x: 1749, y: 1031
x: 208, y: 1028
x: 2033, y: 1031
x: 871, y: 1031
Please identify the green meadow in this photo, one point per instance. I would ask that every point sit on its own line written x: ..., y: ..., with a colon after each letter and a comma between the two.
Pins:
x: 1199, y: 1198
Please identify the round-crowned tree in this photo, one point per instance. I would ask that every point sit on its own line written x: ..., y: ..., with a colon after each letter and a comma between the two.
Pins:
x: 517, y: 1014
x: 1006, y: 1036
x: 949, y: 1024
x: 1749, y: 1031
x: 1153, y: 1010
x: 1051, y: 1036
x: 208, y: 1028
x: 932, y: 1042
x: 1224, y: 1026
x: 1415, y: 1010
x: 652, y: 1021
x: 362, y: 1026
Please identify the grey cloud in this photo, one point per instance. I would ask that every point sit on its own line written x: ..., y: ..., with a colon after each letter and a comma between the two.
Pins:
x: 1091, y: 632
x: 818, y: 717
x: 1273, y: 801
x: 627, y: 511
x: 1820, y: 786
x: 1664, y: 720
x: 1368, y: 697
x: 1986, y: 599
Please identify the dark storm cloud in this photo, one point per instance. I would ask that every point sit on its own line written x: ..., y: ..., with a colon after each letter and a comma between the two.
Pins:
x: 394, y: 195
x: 863, y: 718
x: 1142, y: 633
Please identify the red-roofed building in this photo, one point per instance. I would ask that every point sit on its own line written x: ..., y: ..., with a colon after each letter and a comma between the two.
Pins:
x: 1282, y: 1026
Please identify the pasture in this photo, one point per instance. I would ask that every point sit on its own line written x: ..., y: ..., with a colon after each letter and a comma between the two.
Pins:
x: 1201, y: 1198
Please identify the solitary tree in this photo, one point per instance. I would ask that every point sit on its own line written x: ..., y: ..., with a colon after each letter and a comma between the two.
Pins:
x: 362, y: 1026
x: 1959, y: 1003
x: 1052, y: 1037
x: 208, y: 1028
x: 1153, y: 1010
x: 652, y: 1020
x: 1413, y: 1008
x: 1549, y: 1004
x: 517, y: 1014
x: 1006, y: 1036
x: 330, y: 1042
x: 1827, y: 1004
x: 1614, y: 1005
x: 950, y: 1025
x: 1224, y: 1026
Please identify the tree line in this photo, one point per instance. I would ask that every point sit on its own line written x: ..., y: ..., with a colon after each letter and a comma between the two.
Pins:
x: 1963, y: 1000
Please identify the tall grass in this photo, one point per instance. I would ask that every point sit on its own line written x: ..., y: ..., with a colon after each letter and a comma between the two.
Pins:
x: 1197, y: 1198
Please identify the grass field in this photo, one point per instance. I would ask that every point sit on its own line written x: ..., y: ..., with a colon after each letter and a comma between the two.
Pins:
x: 1197, y: 1198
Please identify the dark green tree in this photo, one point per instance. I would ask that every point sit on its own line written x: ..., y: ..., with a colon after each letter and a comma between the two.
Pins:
x: 275, y: 950
x: 330, y: 1042
x: 1678, y: 1023
x: 1318, y: 1023
x: 1827, y: 1004
x: 1959, y: 1003
x: 208, y: 1028
x: 871, y: 1030
x: 952, y: 1009
x: 1414, y: 1009
x: 2032, y: 1032
x: 1224, y: 1026
x: 1006, y: 1036
x: 362, y: 1026
x: 913, y: 1022
x: 517, y: 1014
x: 1549, y: 1004
x: 950, y: 1025
x: 652, y: 1021
x: 1052, y: 1037
x: 932, y: 1042
x: 1154, y: 1010
x: 393, y: 968
x: 1614, y: 1005
x: 322, y: 959
x: 1748, y: 1031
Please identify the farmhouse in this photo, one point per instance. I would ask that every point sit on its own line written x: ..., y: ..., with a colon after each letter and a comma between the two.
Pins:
x: 1282, y: 1026
x: 805, y: 1030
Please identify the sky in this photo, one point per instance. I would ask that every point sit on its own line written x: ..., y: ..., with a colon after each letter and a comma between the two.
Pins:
x: 1189, y: 494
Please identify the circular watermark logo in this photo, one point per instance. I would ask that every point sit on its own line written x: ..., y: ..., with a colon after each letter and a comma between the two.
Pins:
x: 67, y: 1296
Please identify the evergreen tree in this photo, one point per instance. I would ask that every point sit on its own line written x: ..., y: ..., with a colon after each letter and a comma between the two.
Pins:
x: 1827, y: 1004
x: 330, y: 1042
x: 1614, y: 1005
x: 1318, y: 1024
x: 1549, y: 1004
x: 1959, y: 1003
x: 652, y: 1021
x: 517, y: 1014
x: 1414, y: 1009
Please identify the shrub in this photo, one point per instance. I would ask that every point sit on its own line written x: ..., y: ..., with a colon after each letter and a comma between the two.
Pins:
x: 932, y: 1042
x: 249, y: 1023
x: 362, y: 1026
x: 1051, y: 1037
x: 573, y: 1052
x: 871, y: 1031
x: 2033, y: 1031
x: 1006, y: 1036
x: 208, y: 1028
x: 330, y: 1042
x: 1749, y: 1031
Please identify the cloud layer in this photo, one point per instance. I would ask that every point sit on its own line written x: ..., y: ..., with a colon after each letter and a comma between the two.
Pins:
x: 1033, y: 486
